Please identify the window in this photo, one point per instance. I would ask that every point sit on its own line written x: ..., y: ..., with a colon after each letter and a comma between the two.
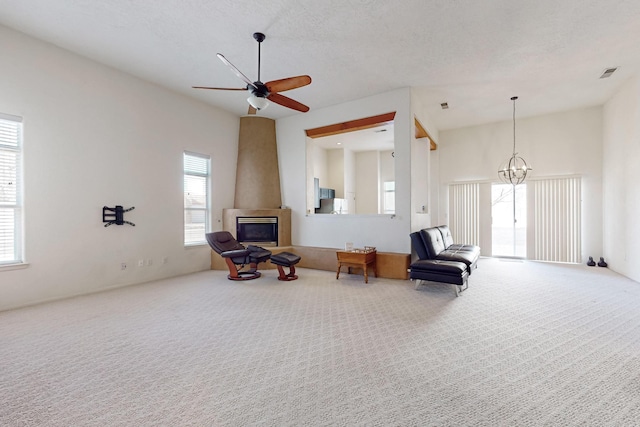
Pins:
x: 10, y: 190
x: 196, y: 198
x: 389, y: 201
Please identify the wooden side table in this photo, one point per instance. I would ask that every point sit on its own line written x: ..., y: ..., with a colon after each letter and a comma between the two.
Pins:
x: 357, y: 258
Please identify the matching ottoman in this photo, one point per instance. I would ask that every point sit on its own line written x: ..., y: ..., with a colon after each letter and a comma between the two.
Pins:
x: 286, y: 259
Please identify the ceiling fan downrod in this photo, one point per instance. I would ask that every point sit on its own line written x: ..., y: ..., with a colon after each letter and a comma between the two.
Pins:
x: 259, y: 38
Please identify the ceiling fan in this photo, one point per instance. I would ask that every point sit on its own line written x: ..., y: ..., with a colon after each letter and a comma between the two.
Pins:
x: 261, y: 92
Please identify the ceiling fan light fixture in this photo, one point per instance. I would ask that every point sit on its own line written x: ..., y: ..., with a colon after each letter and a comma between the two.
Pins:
x: 262, y: 93
x: 258, y: 102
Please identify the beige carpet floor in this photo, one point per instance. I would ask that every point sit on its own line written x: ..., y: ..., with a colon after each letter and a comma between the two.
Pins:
x: 529, y: 344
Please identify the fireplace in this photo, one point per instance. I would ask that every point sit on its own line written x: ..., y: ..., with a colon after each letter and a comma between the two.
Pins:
x: 230, y: 222
x: 260, y: 231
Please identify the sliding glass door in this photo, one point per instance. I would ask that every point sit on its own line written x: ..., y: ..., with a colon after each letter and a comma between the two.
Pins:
x: 509, y: 220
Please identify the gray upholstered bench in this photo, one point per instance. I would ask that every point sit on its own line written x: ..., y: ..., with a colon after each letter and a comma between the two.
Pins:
x: 286, y: 259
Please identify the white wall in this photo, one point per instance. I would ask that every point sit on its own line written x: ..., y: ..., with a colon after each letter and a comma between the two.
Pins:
x: 335, y: 160
x: 424, y: 170
x: 367, y: 168
x: 350, y: 180
x: 621, y: 154
x: 94, y: 136
x: 434, y: 187
x: 559, y: 144
x: 320, y: 165
x: 383, y: 231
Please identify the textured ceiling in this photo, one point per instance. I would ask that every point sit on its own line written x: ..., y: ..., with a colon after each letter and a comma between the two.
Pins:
x: 472, y: 54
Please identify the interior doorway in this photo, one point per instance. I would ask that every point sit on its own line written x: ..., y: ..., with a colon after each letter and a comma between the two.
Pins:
x: 509, y: 220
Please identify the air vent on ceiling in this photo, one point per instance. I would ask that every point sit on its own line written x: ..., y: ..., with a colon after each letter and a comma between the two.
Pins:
x: 444, y: 105
x: 608, y: 72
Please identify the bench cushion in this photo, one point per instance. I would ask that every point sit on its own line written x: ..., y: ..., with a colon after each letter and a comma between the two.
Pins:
x: 467, y: 257
x: 435, y: 270
x: 258, y: 254
x: 286, y: 259
x: 447, y: 238
x: 418, y: 245
x: 433, y: 243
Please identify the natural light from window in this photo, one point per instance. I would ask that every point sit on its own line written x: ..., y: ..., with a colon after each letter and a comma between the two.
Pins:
x: 196, y: 198
x: 10, y: 190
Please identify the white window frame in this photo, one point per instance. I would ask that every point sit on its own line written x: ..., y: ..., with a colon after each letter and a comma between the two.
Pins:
x: 206, y: 209
x: 387, y: 191
x: 11, y: 193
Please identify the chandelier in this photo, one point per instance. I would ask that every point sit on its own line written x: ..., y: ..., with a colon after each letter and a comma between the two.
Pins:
x: 514, y: 171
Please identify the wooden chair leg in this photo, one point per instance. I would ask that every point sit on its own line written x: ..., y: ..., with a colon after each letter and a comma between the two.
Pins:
x: 233, y: 270
x: 287, y: 277
x: 234, y: 274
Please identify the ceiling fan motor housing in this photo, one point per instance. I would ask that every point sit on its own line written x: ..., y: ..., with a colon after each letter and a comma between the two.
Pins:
x: 259, y: 89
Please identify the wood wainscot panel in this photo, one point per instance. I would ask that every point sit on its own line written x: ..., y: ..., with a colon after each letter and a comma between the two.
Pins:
x: 393, y: 265
x: 390, y: 265
x: 218, y: 263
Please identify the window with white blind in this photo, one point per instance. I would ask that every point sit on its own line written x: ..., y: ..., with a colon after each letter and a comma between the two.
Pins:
x: 10, y: 190
x: 197, y: 196
x: 464, y: 212
x: 557, y: 219
x: 389, y: 200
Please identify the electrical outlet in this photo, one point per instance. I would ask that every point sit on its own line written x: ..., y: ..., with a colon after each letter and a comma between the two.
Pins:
x: 140, y: 263
x: 123, y: 266
x: 149, y: 262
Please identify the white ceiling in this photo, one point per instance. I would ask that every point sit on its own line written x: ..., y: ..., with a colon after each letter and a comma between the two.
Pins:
x: 472, y: 54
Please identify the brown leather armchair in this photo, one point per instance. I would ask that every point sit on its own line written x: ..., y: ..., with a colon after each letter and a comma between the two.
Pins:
x: 237, y: 256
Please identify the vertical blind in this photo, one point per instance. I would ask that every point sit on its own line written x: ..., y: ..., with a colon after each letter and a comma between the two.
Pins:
x: 196, y: 198
x: 556, y: 223
x: 557, y: 219
x: 464, y: 212
x: 10, y: 189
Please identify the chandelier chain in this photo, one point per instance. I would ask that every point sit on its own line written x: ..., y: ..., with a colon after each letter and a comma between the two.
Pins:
x: 514, y: 124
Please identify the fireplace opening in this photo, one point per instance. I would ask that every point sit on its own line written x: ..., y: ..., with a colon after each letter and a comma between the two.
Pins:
x: 260, y: 231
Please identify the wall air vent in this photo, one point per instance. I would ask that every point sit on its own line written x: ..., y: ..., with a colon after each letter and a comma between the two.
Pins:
x: 607, y: 73
x: 444, y: 105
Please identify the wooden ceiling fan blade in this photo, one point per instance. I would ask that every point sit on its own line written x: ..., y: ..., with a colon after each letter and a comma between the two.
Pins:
x: 288, y: 83
x: 235, y: 70
x: 287, y: 102
x: 219, y: 88
x: 251, y: 110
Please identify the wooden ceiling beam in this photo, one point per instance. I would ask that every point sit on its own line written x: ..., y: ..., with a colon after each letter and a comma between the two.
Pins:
x: 367, y: 123
x: 421, y: 132
x: 352, y: 125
